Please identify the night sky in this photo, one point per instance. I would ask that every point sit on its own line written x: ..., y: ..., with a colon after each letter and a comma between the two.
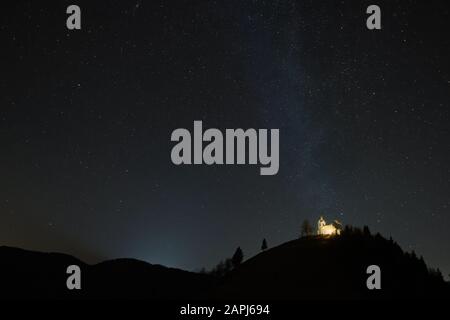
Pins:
x: 86, y: 118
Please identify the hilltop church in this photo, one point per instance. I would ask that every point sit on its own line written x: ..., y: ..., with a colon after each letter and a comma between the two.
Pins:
x: 325, y: 229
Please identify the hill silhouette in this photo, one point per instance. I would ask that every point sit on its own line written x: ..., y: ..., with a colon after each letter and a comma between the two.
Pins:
x: 333, y: 268
x: 28, y: 274
x: 307, y: 268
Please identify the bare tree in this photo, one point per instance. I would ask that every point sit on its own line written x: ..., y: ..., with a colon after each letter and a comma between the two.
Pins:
x: 306, y: 229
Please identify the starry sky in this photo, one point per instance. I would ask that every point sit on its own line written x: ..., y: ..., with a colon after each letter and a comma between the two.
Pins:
x: 86, y: 118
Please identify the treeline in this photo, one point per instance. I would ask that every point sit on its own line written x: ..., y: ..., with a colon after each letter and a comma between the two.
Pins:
x: 228, y: 264
x: 416, y: 266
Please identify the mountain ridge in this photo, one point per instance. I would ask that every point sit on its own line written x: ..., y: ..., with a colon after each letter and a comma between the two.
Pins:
x: 313, y: 267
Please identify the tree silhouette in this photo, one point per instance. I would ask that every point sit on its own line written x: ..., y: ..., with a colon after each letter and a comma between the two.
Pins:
x: 237, y: 258
x: 264, y: 245
x: 222, y: 268
x: 307, y: 229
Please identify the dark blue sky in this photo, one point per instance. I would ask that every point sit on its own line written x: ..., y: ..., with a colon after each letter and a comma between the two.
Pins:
x: 86, y: 118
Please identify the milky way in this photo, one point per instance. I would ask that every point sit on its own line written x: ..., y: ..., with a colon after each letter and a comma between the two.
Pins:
x: 86, y: 118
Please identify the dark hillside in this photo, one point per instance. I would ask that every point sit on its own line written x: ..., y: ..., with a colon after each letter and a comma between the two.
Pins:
x: 307, y: 268
x: 335, y: 268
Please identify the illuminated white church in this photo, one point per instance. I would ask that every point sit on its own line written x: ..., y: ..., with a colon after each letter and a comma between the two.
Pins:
x: 328, y: 229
